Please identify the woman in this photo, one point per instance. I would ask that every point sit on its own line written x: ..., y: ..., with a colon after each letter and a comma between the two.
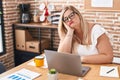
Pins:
x: 87, y: 40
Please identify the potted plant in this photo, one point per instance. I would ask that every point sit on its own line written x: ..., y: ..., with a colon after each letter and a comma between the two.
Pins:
x: 52, y: 75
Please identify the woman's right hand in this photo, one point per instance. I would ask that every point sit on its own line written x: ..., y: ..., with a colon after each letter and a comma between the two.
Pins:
x: 69, y: 29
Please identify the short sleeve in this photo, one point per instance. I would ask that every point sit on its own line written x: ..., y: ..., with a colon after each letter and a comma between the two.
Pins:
x: 97, y: 31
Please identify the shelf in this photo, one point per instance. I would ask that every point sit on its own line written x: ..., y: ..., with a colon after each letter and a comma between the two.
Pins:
x: 36, y: 25
x: 19, y: 54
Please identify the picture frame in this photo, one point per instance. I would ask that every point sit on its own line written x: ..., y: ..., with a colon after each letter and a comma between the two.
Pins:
x: 115, y: 7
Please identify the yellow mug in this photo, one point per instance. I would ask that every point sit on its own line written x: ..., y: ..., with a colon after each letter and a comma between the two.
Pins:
x: 39, y: 61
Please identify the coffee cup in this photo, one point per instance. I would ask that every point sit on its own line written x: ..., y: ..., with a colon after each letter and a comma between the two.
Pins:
x: 39, y: 61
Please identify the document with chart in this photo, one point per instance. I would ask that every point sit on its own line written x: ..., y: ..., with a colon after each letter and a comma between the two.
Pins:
x: 23, y: 74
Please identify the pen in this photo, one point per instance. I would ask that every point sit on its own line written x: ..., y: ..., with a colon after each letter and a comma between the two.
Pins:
x: 110, y: 70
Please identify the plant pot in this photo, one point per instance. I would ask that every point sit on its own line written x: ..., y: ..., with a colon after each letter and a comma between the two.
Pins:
x: 52, y: 76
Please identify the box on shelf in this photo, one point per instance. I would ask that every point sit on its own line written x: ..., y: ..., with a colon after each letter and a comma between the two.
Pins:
x: 21, y: 36
x: 34, y: 45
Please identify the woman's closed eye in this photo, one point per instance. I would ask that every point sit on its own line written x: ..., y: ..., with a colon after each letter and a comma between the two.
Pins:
x: 70, y: 16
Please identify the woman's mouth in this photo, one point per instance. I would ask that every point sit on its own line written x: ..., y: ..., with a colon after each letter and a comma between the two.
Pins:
x: 70, y: 23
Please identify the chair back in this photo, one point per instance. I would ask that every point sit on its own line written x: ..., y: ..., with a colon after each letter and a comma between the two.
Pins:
x: 2, y: 68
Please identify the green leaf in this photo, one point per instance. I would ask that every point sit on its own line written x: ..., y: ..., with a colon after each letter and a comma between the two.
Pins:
x: 52, y: 71
x: 0, y: 12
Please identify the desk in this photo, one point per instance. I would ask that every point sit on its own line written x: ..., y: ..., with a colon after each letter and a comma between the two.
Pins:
x: 93, y: 74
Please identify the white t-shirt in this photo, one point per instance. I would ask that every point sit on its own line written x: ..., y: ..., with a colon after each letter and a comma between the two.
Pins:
x: 96, y: 32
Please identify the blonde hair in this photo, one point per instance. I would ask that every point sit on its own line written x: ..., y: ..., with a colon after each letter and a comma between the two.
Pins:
x: 62, y: 31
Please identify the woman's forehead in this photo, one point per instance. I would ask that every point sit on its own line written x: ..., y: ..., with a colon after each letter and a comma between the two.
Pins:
x: 68, y: 11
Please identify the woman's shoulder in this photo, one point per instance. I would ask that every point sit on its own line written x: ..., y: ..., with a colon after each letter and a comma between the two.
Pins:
x: 97, y: 31
x: 97, y: 27
x: 90, y: 25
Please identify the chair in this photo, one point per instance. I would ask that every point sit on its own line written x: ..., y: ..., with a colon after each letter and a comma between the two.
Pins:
x: 2, y: 68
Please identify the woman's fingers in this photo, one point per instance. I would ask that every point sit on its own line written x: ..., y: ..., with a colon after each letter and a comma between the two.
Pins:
x: 67, y: 27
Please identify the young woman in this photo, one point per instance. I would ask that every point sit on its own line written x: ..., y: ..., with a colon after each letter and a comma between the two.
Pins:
x: 90, y: 41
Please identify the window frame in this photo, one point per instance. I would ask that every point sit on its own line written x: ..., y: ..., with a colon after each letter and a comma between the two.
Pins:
x: 2, y: 29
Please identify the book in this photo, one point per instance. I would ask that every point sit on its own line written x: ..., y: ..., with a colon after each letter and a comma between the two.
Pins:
x: 23, y: 74
x: 109, y: 71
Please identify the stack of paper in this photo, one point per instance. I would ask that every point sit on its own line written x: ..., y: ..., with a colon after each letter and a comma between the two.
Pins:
x: 22, y: 74
x: 109, y: 71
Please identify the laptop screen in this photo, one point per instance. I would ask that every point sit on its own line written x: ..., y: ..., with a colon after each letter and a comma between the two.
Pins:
x: 64, y: 62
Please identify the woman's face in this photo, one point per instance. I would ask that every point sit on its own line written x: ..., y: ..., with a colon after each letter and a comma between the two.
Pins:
x: 71, y: 19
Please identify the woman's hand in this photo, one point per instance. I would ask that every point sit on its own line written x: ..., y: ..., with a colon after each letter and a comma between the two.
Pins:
x: 69, y: 29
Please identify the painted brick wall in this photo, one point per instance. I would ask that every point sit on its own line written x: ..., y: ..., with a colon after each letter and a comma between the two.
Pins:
x: 109, y: 20
x: 11, y: 15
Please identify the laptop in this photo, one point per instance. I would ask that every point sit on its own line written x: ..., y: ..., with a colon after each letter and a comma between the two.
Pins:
x: 66, y: 63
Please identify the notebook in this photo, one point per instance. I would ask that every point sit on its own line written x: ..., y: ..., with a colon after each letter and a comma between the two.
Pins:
x: 109, y: 71
x: 66, y: 63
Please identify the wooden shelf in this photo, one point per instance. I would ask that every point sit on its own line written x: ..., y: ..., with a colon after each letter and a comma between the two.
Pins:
x: 36, y: 25
x: 22, y: 56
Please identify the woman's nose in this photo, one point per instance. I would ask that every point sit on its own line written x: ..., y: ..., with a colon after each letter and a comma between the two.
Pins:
x: 69, y: 19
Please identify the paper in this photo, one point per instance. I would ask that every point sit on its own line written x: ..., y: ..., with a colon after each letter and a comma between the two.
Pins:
x: 102, y: 3
x: 22, y: 74
x: 109, y: 71
x: 116, y: 60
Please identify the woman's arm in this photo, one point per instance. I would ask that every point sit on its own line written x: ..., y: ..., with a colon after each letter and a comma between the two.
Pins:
x: 105, y: 52
x: 66, y: 43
